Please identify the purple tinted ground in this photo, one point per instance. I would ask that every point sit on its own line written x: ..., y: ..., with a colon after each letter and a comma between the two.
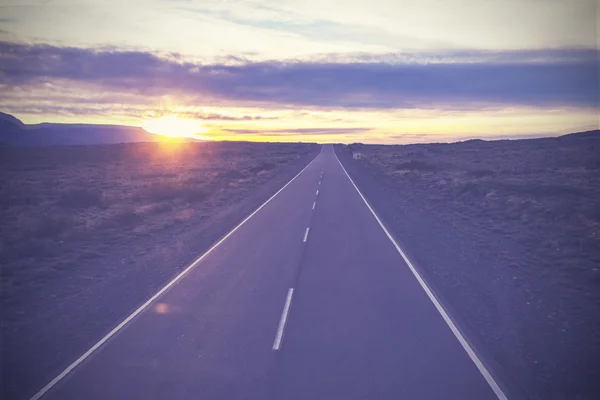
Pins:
x: 509, y: 234
x: 360, y: 326
x: 65, y: 251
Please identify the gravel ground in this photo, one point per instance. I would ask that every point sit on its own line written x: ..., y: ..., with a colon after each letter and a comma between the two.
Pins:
x: 507, y: 233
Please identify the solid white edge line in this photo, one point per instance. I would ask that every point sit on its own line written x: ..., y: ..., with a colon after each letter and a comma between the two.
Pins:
x: 305, y: 235
x: 314, y: 205
x: 85, y: 355
x: 282, y: 321
x: 482, y: 369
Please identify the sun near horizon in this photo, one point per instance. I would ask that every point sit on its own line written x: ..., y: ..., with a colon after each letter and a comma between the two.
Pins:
x: 174, y: 126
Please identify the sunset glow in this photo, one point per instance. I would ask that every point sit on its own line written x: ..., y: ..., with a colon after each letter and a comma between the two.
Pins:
x: 173, y: 126
x: 373, y: 71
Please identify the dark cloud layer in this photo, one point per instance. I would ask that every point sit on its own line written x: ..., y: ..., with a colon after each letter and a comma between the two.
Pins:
x: 85, y: 108
x: 302, y: 131
x: 563, y: 77
x: 221, y: 117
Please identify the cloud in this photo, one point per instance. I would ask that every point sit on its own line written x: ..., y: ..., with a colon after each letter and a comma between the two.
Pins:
x: 403, y: 24
x: 422, y: 138
x: 301, y: 131
x: 320, y: 29
x: 470, y: 56
x: 104, y: 108
x: 221, y: 117
x: 542, y: 78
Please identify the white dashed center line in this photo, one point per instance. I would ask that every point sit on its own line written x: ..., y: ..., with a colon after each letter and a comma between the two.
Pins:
x: 317, y: 192
x: 314, y: 205
x: 282, y: 321
x: 305, y: 235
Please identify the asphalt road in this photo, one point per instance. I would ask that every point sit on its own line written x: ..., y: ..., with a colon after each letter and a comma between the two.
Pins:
x: 307, y: 299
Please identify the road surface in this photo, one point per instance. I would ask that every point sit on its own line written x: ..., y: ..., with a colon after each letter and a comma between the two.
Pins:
x: 309, y: 298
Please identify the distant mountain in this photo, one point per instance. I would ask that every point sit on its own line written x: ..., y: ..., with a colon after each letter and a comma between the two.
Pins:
x: 8, y: 121
x: 594, y: 133
x: 13, y: 132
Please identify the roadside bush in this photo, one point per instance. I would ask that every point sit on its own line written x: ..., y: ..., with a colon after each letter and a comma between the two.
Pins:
x: 169, y: 191
x: 541, y: 190
x: 158, y: 175
x: 197, y: 180
x: 31, y: 247
x: 194, y: 194
x: 417, y: 165
x: 162, y: 208
x: 266, y: 166
x: 80, y: 198
x: 125, y: 217
x: 231, y: 174
x: 477, y: 189
x: 481, y: 173
x: 49, y: 226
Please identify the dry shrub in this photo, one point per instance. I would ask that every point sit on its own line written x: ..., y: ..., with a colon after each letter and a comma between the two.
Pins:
x: 169, y: 191
x: 49, y: 226
x: 481, y: 173
x: 81, y: 198
x: 231, y: 174
x: 124, y: 218
x: 157, y: 175
x: 265, y: 166
x: 417, y: 165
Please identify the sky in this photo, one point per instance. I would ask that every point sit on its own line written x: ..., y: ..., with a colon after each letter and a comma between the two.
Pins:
x: 370, y: 71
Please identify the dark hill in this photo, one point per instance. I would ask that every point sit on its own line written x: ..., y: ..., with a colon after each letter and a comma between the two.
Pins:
x: 14, y: 133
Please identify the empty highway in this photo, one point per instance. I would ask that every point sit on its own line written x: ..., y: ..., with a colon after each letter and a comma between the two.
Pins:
x: 308, y: 298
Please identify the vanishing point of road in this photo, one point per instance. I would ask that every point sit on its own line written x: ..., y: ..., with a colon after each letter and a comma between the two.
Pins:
x: 309, y: 297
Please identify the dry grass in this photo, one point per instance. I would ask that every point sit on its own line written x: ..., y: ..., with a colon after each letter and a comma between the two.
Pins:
x: 545, y: 192
x: 508, y: 232
x: 52, y: 196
